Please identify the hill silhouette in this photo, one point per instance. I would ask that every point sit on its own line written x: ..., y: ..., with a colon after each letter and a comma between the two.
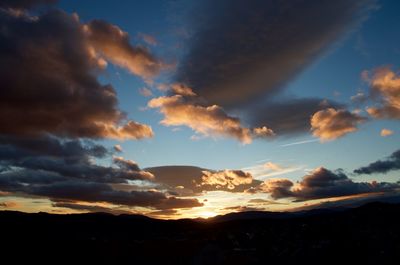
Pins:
x: 365, y: 235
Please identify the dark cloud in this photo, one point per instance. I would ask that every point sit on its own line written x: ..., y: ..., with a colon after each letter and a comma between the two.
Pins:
x: 289, y: 116
x: 47, y: 156
x: 15, y: 148
x: 262, y: 202
x: 322, y: 183
x: 277, y: 188
x: 66, y: 170
x: 355, y: 201
x: 25, y: 4
x: 48, y: 77
x: 53, y: 186
x: 382, y: 166
x: 51, y: 102
x: 241, y: 51
x: 100, y: 192
x: 126, y: 164
x: 167, y: 212
x: 244, y: 209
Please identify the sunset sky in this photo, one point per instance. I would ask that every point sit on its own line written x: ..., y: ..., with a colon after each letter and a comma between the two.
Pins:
x: 176, y: 109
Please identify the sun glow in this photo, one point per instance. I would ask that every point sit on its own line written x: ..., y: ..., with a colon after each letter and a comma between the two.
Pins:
x: 207, y: 214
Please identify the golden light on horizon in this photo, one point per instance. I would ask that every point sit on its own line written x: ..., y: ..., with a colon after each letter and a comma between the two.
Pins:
x: 207, y: 214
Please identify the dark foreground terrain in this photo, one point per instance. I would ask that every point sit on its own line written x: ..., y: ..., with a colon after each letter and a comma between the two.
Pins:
x: 366, y: 235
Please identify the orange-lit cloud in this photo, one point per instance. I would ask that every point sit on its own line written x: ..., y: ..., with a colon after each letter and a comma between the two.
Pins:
x: 273, y: 166
x: 181, y: 89
x: 226, y: 178
x: 149, y: 39
x: 211, y: 121
x: 144, y: 91
x: 113, y: 44
x: 131, y: 130
x: 386, y: 132
x: 8, y: 204
x: 330, y: 124
x: 385, y: 87
x: 118, y: 148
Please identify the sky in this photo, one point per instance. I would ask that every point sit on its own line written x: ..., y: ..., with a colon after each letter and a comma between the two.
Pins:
x: 185, y: 109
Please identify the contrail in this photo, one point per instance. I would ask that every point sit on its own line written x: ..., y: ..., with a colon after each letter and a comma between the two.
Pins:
x: 301, y: 142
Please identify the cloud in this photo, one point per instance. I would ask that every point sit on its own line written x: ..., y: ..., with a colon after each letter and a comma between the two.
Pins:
x: 25, y: 4
x: 126, y: 164
x: 118, y: 148
x: 241, y: 208
x: 322, y: 183
x: 131, y: 130
x: 163, y: 213
x: 276, y: 187
x: 18, y: 148
x: 288, y: 116
x: 360, y: 97
x: 188, y: 180
x: 61, y: 160
x: 181, y: 89
x: 241, y: 52
x: 145, y: 92
x: 263, y: 202
x: 226, y: 178
x: 330, y: 124
x: 150, y: 40
x: 8, y: 204
x: 211, y: 121
x: 270, y: 169
x: 382, y: 166
x: 273, y: 166
x: 386, y: 132
x: 385, y: 88
x: 100, y: 192
x: 66, y: 170
x: 49, y: 64
x: 90, y: 208
x: 88, y: 191
x: 113, y: 44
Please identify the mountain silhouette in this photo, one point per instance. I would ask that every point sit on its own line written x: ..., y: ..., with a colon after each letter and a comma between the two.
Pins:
x: 368, y: 234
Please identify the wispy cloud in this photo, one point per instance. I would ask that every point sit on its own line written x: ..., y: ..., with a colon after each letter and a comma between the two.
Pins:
x: 264, y: 171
